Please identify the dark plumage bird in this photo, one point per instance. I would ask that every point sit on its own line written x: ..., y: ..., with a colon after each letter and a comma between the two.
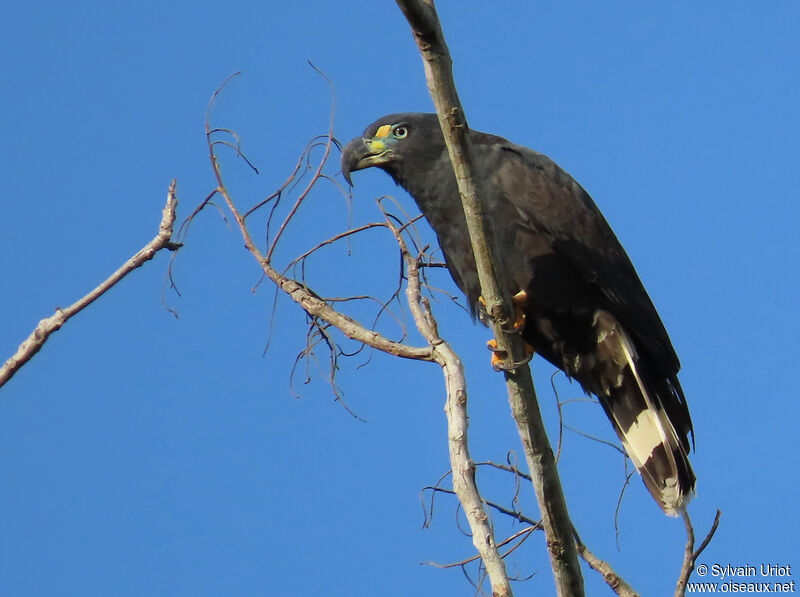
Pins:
x: 586, y: 309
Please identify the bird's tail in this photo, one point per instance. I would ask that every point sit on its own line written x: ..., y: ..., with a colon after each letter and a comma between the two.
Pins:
x: 650, y: 416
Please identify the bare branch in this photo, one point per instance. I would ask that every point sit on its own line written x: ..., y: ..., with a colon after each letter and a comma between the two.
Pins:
x: 619, y: 500
x: 507, y: 468
x: 315, y: 306
x: 317, y: 174
x: 329, y: 241
x: 599, y: 440
x: 282, y: 188
x: 47, y: 326
x: 525, y: 531
x: 421, y: 15
x: 613, y: 580
x: 462, y: 467
x: 690, y: 556
x: 519, y: 516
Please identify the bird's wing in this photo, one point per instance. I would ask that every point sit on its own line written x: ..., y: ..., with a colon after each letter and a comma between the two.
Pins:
x: 551, y: 203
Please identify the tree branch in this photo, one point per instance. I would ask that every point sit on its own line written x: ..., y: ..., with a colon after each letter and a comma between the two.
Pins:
x: 424, y: 22
x: 613, y: 580
x: 437, y: 350
x: 303, y: 296
x: 690, y: 555
x: 47, y: 326
x: 461, y: 464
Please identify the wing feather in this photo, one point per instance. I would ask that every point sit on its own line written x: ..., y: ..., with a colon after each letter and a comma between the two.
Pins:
x: 553, y: 204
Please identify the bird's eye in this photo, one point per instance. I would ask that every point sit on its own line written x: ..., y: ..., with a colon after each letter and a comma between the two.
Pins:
x: 401, y: 132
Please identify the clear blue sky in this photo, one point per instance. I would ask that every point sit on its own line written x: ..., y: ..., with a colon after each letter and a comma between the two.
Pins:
x: 146, y: 455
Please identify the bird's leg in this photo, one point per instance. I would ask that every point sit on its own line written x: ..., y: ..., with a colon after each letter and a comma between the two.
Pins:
x: 520, y: 302
x: 499, y: 357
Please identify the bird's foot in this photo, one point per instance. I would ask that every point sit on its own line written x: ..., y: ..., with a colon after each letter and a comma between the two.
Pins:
x: 520, y: 304
x: 499, y: 357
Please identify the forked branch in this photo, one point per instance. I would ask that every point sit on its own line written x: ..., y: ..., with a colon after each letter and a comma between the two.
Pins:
x: 690, y: 554
x: 437, y: 349
x: 310, y: 302
x: 48, y: 325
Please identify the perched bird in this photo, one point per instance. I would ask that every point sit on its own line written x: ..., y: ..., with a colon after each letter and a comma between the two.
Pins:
x: 585, y: 309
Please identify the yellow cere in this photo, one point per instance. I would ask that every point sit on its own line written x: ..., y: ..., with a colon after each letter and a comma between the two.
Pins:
x: 376, y: 145
x: 383, y: 131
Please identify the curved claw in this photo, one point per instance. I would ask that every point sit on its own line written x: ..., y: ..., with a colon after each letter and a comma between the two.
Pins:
x: 520, y: 303
x: 499, y: 357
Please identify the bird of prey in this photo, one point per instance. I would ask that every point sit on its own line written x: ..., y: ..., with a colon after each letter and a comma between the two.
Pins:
x: 585, y: 309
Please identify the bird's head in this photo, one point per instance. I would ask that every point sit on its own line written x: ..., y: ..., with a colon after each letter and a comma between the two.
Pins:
x: 392, y: 143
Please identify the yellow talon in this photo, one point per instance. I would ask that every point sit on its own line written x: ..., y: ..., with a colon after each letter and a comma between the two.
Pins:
x: 498, y: 356
x: 520, y: 302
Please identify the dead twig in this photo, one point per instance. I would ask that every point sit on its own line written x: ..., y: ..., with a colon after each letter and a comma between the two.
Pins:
x: 690, y: 554
x: 524, y: 533
x: 311, y: 303
x: 519, y: 516
x: 46, y: 327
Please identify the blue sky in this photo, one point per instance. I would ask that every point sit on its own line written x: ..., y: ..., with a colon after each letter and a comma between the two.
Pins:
x: 146, y: 455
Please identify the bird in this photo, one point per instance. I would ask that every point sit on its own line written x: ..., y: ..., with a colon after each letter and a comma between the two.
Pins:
x: 583, y: 307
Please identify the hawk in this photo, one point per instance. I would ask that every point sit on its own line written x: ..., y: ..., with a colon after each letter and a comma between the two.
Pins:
x: 585, y: 309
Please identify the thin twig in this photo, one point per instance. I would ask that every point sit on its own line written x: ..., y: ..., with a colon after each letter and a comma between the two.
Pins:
x: 526, y: 531
x: 308, y: 300
x: 618, y: 508
x: 690, y: 554
x: 34, y: 342
x: 507, y: 468
x: 519, y: 516
x: 332, y: 240
x: 317, y: 174
x: 599, y: 440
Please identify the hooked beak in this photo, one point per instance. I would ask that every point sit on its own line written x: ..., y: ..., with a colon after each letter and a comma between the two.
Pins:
x: 363, y: 153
